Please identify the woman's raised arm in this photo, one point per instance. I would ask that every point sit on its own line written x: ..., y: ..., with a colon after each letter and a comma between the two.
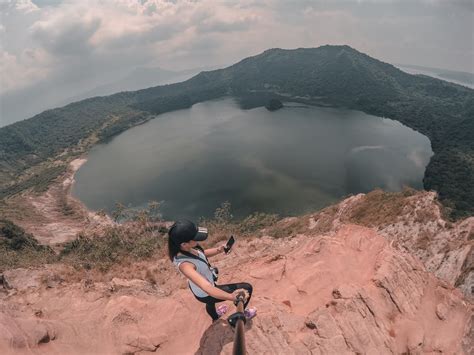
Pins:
x: 214, y: 251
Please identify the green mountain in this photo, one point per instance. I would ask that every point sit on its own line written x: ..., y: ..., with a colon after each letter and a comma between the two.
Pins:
x: 329, y: 75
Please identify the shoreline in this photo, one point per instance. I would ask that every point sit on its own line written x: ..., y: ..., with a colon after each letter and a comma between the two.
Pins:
x: 56, y: 216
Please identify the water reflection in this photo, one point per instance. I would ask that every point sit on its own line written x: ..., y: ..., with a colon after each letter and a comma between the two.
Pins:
x: 290, y: 161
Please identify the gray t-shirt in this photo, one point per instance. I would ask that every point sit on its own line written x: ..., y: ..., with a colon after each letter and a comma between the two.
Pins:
x: 201, y: 268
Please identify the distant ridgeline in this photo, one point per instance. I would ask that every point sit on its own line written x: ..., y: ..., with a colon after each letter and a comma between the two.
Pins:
x: 336, y: 76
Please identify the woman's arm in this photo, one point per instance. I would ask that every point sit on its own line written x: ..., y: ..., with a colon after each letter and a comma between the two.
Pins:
x: 214, y: 251
x: 188, y: 270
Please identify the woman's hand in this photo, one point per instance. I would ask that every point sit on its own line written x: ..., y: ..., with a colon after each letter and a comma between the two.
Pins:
x: 238, y: 293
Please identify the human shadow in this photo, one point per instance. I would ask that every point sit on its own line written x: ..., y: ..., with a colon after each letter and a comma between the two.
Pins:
x: 219, y: 334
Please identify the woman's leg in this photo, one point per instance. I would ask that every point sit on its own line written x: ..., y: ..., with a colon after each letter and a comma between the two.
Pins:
x: 211, y: 310
x: 229, y: 288
x: 210, y: 305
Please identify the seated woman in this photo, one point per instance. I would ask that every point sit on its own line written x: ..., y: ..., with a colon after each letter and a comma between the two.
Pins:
x: 191, y: 260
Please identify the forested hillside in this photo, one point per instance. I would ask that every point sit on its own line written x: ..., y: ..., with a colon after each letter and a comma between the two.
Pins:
x: 329, y: 75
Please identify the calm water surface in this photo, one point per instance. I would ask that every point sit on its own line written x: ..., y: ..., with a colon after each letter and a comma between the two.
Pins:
x: 297, y: 159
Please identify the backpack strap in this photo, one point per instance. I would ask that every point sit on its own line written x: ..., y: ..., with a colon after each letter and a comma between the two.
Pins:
x: 192, y: 256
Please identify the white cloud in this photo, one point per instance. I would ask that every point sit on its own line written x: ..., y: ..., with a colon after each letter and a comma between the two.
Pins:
x: 76, y: 32
x: 64, y: 36
x: 18, y: 71
x: 74, y: 45
x: 23, y: 6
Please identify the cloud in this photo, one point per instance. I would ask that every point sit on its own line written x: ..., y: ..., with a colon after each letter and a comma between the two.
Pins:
x: 140, y: 37
x: 44, y: 3
x: 56, y: 49
x: 92, y: 38
x: 63, y: 37
x: 366, y: 147
x: 17, y: 71
x: 24, y: 6
x: 216, y: 24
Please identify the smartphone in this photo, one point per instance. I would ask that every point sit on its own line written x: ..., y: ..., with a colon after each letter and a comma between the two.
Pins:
x: 229, y: 244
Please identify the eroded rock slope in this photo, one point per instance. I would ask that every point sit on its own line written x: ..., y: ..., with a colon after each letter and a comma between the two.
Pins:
x: 347, y: 289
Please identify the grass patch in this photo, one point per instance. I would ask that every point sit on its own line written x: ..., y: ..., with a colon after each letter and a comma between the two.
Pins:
x: 223, y: 225
x: 114, y: 245
x: 39, y: 182
x: 140, y: 235
x: 325, y: 219
x: 20, y: 249
x: 298, y: 225
x: 379, y: 207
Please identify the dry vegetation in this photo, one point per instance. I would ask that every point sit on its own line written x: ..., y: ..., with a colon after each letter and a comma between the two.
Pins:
x: 114, y: 245
x: 325, y: 219
x: 223, y: 225
x: 19, y: 249
x: 379, y: 207
x: 140, y: 235
x: 291, y: 227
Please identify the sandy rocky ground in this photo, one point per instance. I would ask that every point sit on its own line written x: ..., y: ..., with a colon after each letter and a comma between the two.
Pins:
x: 328, y: 287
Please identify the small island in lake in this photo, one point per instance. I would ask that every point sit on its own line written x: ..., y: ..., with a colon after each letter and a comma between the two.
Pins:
x: 273, y: 105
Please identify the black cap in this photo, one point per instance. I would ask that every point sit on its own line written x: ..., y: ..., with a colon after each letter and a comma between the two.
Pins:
x: 183, y: 231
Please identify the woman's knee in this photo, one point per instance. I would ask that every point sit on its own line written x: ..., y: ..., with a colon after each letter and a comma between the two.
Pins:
x: 246, y: 286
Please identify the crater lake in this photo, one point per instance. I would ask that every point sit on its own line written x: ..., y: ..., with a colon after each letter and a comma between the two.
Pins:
x: 291, y: 161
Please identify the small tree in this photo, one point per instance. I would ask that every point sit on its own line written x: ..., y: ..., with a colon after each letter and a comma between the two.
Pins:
x: 154, y: 213
x: 119, y: 212
x: 223, y: 213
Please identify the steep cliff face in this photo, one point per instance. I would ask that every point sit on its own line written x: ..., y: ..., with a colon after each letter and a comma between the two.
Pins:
x: 322, y: 284
x: 349, y: 292
x: 413, y: 221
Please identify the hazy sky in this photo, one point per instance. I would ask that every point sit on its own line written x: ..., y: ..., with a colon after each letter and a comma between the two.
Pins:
x: 51, y: 50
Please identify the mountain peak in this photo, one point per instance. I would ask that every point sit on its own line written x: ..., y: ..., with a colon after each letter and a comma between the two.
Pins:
x: 309, y: 50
